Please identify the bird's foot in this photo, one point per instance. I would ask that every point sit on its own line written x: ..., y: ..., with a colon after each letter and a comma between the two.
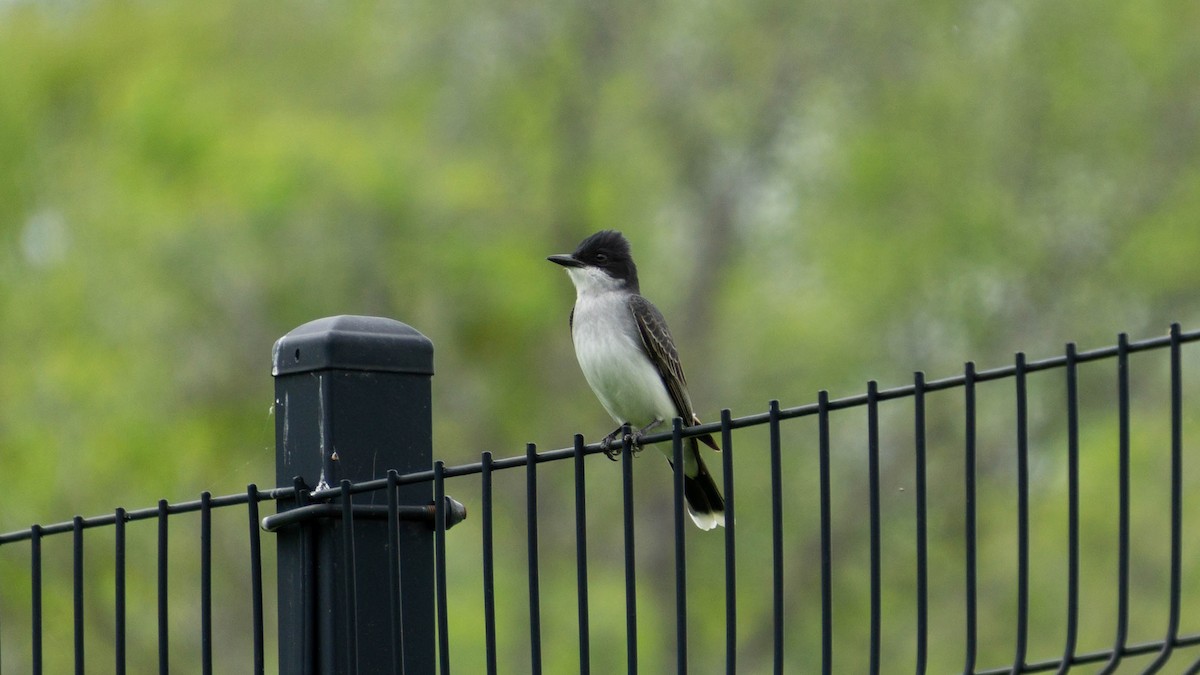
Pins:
x: 631, y: 439
x: 634, y: 440
x: 606, y: 444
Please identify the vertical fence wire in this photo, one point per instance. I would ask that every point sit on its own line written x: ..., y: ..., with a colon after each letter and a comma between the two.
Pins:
x: 35, y: 598
x: 535, y: 605
x: 922, y: 525
x: 77, y: 588
x: 677, y: 476
x: 439, y: 551
x: 350, y: 605
x: 1176, y: 486
x: 308, y: 565
x: 1122, y: 504
x: 1072, y: 510
x: 776, y: 534
x: 119, y: 591
x: 256, y: 579
x: 394, y: 591
x: 395, y: 579
x: 730, y: 547
x: 1176, y: 502
x: 1022, y: 515
x: 826, y: 533
x: 164, y: 654
x: 206, y: 662
x: 873, y: 506
x: 969, y: 504
x: 631, y: 649
x: 581, y: 570
x: 489, y: 579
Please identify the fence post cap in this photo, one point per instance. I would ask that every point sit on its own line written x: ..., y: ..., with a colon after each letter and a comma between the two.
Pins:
x: 348, y: 342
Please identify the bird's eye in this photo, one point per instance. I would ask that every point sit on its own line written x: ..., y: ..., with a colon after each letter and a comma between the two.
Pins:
x: 601, y: 258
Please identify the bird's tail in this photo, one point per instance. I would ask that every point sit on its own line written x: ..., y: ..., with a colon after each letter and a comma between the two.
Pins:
x: 705, y: 504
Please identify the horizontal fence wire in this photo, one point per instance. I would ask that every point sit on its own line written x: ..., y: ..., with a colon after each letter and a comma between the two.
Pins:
x: 745, y: 421
x: 154, y: 512
x: 1161, y: 650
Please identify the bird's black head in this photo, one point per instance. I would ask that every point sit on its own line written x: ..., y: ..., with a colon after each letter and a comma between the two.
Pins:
x: 607, y: 250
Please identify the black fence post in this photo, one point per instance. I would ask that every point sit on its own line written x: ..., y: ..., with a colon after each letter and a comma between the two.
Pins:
x: 352, y: 400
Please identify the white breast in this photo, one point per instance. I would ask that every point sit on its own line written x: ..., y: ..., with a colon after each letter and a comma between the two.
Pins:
x: 612, y: 359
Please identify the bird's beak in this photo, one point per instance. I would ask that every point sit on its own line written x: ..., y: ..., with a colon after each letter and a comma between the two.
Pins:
x: 565, y: 260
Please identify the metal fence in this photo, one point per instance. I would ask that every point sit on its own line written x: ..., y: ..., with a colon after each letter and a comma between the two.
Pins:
x: 943, y: 534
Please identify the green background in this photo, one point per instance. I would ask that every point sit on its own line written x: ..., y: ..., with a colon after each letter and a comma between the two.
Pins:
x: 818, y: 194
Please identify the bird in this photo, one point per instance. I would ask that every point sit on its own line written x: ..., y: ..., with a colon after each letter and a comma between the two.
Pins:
x: 629, y: 360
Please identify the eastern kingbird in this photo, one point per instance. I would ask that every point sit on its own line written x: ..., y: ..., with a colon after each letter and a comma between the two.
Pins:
x: 629, y: 359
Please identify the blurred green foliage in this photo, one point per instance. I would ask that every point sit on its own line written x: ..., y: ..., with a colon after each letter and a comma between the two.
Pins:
x: 818, y: 193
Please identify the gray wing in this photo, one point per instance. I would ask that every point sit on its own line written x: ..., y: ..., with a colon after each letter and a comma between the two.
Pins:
x: 656, y: 338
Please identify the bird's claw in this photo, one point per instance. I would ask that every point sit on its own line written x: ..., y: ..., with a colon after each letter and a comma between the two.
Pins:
x: 632, y: 440
x: 606, y: 445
